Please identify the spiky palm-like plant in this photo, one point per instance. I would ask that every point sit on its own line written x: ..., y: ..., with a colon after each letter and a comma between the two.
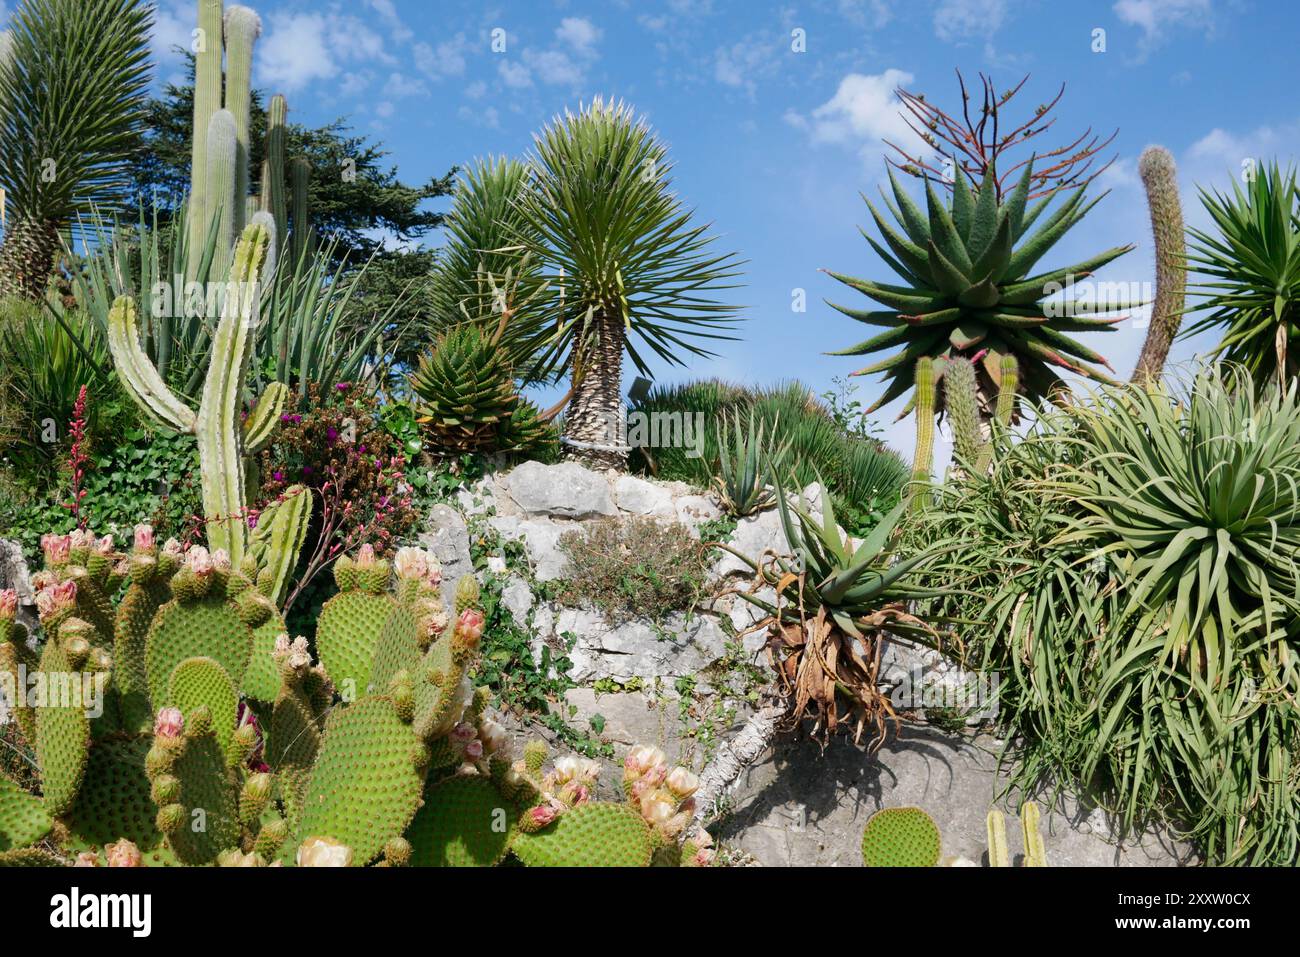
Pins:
x: 1251, y: 270
x: 73, y: 91
x: 967, y: 289
x: 627, y: 270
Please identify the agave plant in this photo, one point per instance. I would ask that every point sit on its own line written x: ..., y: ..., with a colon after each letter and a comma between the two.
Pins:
x: 836, y: 601
x: 743, y: 463
x: 1251, y: 289
x: 626, y: 269
x: 967, y: 290
x: 73, y: 90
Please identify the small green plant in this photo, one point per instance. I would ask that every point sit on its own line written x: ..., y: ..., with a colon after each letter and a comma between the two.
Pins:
x: 745, y: 455
x: 901, y: 837
x: 628, y: 569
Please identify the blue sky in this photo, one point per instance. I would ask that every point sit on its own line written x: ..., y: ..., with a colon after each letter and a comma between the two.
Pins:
x: 771, y: 145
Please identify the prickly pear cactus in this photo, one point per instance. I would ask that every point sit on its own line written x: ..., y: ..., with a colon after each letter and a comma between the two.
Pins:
x: 901, y: 837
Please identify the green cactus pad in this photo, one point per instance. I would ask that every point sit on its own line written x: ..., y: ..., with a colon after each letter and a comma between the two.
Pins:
x: 207, y: 787
x: 30, y: 857
x: 901, y: 837
x: 435, y: 712
x: 291, y: 744
x: 346, y: 635
x: 464, y: 822
x: 262, y: 679
x: 365, y: 787
x: 207, y: 628
x: 23, y: 818
x: 202, y: 682
x: 398, y: 646
x: 130, y: 633
x: 589, y: 835
x: 62, y: 733
x: 114, y: 803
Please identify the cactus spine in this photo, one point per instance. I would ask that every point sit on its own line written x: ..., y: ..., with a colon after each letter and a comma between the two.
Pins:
x: 923, y: 459
x: 273, y: 165
x: 243, y: 27
x: 1160, y: 180
x: 207, y: 100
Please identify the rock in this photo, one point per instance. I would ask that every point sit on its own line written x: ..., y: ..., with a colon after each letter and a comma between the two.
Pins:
x: 14, y: 574
x: 694, y: 510
x: 566, y: 490
x: 541, y: 539
x: 627, y: 718
x: 640, y: 497
x: 678, y: 647
x: 518, y: 599
x: 447, y: 537
x: 813, y: 811
x: 753, y: 535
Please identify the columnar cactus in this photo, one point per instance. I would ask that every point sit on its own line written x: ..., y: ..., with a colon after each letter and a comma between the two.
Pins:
x: 242, y: 28
x: 301, y: 234
x: 973, y: 446
x: 207, y: 100
x: 1160, y: 180
x: 224, y: 443
x: 221, y: 193
x: 923, y: 458
x: 1035, y: 853
x: 273, y: 165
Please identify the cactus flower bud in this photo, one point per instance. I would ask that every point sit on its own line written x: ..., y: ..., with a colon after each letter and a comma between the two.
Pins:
x: 8, y: 604
x: 172, y: 548
x: 170, y: 723
x: 221, y: 560
x: 86, y: 859
x: 640, y: 760
x: 474, y: 750
x: 324, y: 852
x: 124, y: 854
x: 104, y: 546
x: 543, y: 815
x: 366, y: 556
x: 463, y: 733
x: 434, y: 575
x: 258, y: 788
x: 144, y: 538
x: 56, y: 548
x: 575, y: 793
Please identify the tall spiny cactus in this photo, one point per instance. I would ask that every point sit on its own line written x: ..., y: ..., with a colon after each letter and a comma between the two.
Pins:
x: 223, y: 440
x: 923, y: 458
x: 301, y: 175
x: 207, y: 100
x: 242, y: 27
x: 1160, y: 180
x: 273, y: 165
x: 220, y: 194
x: 962, y: 396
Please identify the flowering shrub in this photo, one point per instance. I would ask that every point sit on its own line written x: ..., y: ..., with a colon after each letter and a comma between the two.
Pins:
x: 356, y: 470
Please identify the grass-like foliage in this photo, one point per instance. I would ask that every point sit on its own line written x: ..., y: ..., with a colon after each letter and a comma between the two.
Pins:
x: 1131, y: 564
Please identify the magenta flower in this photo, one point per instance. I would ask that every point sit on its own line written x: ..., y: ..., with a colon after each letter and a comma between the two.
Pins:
x: 169, y: 723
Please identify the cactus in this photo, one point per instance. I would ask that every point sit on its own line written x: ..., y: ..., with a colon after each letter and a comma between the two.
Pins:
x: 273, y: 165
x: 923, y: 459
x: 974, y: 449
x: 1035, y: 852
x: 301, y: 231
x: 221, y: 196
x: 996, y: 824
x: 464, y: 822
x: 589, y: 835
x: 242, y: 28
x: 207, y: 100
x: 901, y: 837
x: 1160, y: 180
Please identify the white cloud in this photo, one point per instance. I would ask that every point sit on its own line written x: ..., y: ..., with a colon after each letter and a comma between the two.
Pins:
x: 515, y: 75
x: 743, y: 63
x: 863, y: 110
x: 351, y: 39
x: 446, y: 59
x: 172, y: 24
x: 384, y: 108
x: 1155, y: 17
x: 554, y: 67
x: 488, y: 117
x: 476, y: 90
x: 579, y: 33
x: 399, y: 84
x: 956, y: 20
x: 388, y: 13
x: 296, y: 51
x: 877, y: 13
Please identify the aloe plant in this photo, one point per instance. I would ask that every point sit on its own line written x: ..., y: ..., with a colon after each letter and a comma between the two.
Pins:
x: 745, y: 456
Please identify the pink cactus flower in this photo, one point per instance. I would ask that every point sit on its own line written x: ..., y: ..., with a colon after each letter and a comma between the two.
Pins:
x: 86, y: 859
x: 104, y: 546
x: 199, y: 561
x: 682, y: 782
x: 464, y: 733
x: 8, y: 604
x: 575, y: 793
x: 640, y: 760
x: 470, y: 624
x: 656, y: 809
x: 703, y: 857
x: 221, y: 560
x: 172, y: 548
x: 366, y: 556
x: 324, y: 852
x: 81, y: 538
x: 124, y: 854
x: 434, y: 574
x: 494, y: 737
x: 474, y: 750
x: 170, y: 723
x: 56, y: 548
x: 282, y: 644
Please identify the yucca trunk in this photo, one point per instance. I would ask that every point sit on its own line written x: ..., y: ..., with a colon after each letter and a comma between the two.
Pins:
x: 27, y: 258
x: 593, y: 424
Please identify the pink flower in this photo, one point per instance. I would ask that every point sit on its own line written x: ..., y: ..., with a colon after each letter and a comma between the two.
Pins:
x: 172, y: 548
x: 474, y: 750
x: 169, y: 723
x: 56, y: 598
x: 470, y: 624
x: 144, y: 538
x: 366, y: 556
x: 640, y: 760
x: 86, y: 859
x: 221, y: 560
x: 124, y: 854
x: 324, y: 852
x: 543, y: 815
x: 8, y: 604
x: 56, y: 548
x: 81, y: 538
x: 463, y: 733
x: 199, y: 561
x: 104, y: 546
x: 682, y: 782
x: 411, y: 563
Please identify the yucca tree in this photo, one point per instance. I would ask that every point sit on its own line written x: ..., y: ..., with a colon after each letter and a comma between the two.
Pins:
x: 967, y: 289
x: 1251, y: 274
x: 626, y: 269
x: 73, y: 92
